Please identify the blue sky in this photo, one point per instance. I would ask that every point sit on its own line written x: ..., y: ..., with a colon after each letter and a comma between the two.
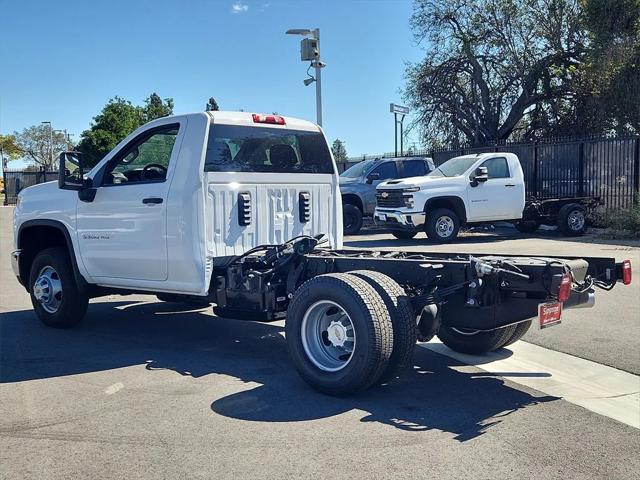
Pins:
x: 62, y: 60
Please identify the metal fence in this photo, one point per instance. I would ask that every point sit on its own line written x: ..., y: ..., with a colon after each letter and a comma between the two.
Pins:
x: 17, y: 180
x: 608, y: 168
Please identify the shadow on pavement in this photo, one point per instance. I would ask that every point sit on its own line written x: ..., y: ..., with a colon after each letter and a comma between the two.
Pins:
x: 163, y: 336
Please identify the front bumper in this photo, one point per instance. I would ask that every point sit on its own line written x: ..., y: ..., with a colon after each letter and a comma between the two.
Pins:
x: 398, y: 220
x: 15, y: 264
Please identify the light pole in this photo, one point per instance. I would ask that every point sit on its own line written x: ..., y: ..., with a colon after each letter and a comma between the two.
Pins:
x: 50, y: 143
x: 310, y: 51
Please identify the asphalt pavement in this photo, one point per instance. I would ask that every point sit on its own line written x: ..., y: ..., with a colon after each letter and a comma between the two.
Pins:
x: 152, y: 390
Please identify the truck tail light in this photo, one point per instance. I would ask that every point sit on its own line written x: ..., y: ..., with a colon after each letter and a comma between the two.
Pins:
x: 274, y: 119
x: 565, y: 288
x: 626, y: 272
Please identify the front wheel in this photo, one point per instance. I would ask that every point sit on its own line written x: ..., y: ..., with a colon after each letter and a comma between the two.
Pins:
x: 404, y: 234
x: 338, y: 333
x: 351, y: 219
x: 55, y: 296
x: 442, y: 225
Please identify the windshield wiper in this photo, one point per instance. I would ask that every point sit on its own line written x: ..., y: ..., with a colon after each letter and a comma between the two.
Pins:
x: 443, y: 174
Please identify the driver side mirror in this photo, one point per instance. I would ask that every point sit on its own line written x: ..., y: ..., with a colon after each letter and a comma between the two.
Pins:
x: 71, y: 171
x: 373, y: 177
x: 481, y: 175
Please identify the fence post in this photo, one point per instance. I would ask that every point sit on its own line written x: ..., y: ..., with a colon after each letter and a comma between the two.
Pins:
x: 636, y: 171
x: 535, y: 170
x: 581, y: 170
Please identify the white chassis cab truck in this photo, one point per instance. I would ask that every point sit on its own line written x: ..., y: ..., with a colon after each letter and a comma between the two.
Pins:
x: 473, y: 190
x: 243, y: 211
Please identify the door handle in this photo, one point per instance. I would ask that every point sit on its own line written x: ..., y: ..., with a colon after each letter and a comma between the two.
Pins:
x: 509, y: 185
x: 151, y: 200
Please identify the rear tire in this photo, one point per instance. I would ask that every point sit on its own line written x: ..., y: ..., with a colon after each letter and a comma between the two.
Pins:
x: 351, y: 219
x: 572, y: 220
x: 54, y: 293
x: 442, y: 225
x: 403, y: 234
x: 518, y: 333
x: 477, y: 343
x: 339, y: 334
x: 403, y: 320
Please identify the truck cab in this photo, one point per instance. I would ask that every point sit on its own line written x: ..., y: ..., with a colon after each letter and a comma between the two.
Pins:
x: 358, y: 185
x: 182, y: 194
x: 464, y: 190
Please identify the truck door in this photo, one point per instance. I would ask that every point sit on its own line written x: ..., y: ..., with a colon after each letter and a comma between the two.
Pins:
x: 122, y: 233
x: 500, y: 197
x: 385, y: 171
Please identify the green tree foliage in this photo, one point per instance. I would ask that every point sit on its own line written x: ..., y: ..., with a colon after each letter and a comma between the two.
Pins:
x: 35, y: 144
x: 212, y: 105
x: 154, y: 107
x: 118, y: 118
x: 489, y: 64
x: 339, y: 150
x: 9, y: 148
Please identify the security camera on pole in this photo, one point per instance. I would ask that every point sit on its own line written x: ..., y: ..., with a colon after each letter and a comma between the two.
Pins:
x: 398, y: 110
x: 310, y: 52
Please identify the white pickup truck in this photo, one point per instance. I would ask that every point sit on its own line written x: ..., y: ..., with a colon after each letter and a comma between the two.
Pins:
x: 243, y: 211
x: 471, y: 190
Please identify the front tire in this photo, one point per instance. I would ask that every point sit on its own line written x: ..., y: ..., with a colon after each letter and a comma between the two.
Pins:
x: 54, y: 293
x: 442, y: 225
x: 475, y: 342
x: 351, y: 219
x: 403, y: 234
x: 572, y: 220
x: 338, y: 333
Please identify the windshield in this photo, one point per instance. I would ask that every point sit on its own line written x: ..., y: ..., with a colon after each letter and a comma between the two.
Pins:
x: 454, y: 167
x: 233, y: 148
x: 357, y: 170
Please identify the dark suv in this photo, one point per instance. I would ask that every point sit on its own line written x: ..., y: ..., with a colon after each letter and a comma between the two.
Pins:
x: 358, y: 185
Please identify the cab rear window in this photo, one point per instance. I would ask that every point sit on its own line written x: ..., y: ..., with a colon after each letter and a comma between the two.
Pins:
x: 232, y: 148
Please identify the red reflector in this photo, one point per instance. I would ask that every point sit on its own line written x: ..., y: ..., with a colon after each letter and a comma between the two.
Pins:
x: 565, y: 288
x: 274, y: 119
x: 626, y: 272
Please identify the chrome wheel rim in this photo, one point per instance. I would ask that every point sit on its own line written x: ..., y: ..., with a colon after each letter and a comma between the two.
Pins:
x: 328, y: 336
x: 445, y: 226
x: 47, y: 289
x: 576, y: 220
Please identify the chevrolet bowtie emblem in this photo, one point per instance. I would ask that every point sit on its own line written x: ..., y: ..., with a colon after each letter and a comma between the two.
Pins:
x: 384, y: 194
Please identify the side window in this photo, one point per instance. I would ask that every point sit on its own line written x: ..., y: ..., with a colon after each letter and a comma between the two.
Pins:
x: 497, y: 167
x: 413, y: 168
x: 386, y: 171
x: 146, y: 160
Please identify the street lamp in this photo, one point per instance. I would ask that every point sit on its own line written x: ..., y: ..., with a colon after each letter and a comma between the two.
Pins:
x: 50, y: 142
x: 310, y: 51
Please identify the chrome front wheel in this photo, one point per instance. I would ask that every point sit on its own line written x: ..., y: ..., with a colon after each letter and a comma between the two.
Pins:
x: 47, y: 289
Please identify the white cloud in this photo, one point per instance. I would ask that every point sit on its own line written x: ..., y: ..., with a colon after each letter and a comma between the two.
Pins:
x: 239, y: 7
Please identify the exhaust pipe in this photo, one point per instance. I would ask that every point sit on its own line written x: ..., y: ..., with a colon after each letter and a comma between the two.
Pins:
x: 581, y: 300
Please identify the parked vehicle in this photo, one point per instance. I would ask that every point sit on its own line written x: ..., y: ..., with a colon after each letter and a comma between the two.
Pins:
x: 471, y: 190
x: 358, y: 185
x: 243, y: 211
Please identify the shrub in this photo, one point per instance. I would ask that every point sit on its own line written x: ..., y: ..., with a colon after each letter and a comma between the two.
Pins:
x: 625, y: 221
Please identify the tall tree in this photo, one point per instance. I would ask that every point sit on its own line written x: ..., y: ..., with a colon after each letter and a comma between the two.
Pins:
x: 117, y: 119
x: 9, y: 148
x: 39, y: 145
x: 339, y: 150
x: 154, y: 107
x: 489, y: 63
x: 212, y: 105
